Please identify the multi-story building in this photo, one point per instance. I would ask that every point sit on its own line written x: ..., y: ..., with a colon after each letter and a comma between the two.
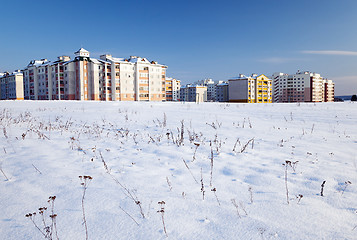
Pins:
x: 11, y: 86
x: 250, y: 89
x: 30, y: 79
x: 329, y: 90
x: 173, y: 89
x: 195, y: 93
x: 301, y: 87
x: 222, y: 94
x: 211, y: 88
x: 133, y: 79
x: 86, y: 78
x: 1, y: 75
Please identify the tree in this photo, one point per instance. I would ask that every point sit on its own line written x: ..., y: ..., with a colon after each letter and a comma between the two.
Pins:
x: 354, y: 98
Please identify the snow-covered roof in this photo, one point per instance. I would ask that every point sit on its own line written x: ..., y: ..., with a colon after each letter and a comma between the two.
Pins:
x: 114, y: 59
x: 82, y: 50
x: 98, y: 61
x: 7, y: 74
x: 135, y: 59
x: 244, y: 77
x: 240, y: 77
x: 17, y: 72
x: 36, y: 63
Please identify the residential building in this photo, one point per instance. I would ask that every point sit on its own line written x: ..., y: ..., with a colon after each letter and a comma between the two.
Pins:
x: 302, y: 87
x: 30, y: 79
x: 11, y: 86
x: 211, y: 88
x: 86, y: 78
x: 222, y: 92
x: 1, y: 75
x: 250, y: 89
x: 329, y: 90
x: 195, y: 93
x: 135, y: 79
x: 173, y: 89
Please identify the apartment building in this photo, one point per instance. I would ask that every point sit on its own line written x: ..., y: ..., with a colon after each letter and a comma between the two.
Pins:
x: 173, y: 89
x: 250, y: 89
x: 222, y: 94
x: 190, y: 93
x: 11, y: 86
x: 211, y: 88
x: 86, y: 78
x: 30, y: 79
x: 329, y: 90
x: 301, y: 87
x: 1, y: 75
x: 134, y: 79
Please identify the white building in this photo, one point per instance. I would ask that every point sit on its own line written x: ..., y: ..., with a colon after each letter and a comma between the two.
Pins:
x: 195, y: 93
x: 172, y: 89
x: 301, y: 87
x: 11, y: 86
x: 211, y: 88
x: 329, y: 90
x: 30, y: 79
x: 136, y: 79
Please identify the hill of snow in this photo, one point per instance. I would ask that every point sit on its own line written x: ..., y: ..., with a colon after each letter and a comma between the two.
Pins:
x: 178, y: 170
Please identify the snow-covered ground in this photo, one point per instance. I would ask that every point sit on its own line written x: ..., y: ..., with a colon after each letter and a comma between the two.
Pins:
x: 241, y: 158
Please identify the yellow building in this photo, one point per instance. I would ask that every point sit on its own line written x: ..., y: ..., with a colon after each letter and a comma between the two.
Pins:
x: 263, y: 91
x: 250, y: 89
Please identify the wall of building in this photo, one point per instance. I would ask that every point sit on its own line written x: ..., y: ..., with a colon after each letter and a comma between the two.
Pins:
x: 11, y: 86
x: 238, y: 90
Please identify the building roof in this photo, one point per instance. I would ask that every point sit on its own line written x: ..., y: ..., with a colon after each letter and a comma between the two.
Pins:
x: 36, y: 63
x: 81, y: 50
x: 244, y: 77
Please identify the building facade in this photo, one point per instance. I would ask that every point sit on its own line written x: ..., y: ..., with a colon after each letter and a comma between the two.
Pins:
x: 211, y: 88
x: 173, y: 89
x: 329, y: 90
x: 302, y: 87
x: 222, y: 93
x: 195, y: 93
x: 250, y: 89
x: 11, y: 86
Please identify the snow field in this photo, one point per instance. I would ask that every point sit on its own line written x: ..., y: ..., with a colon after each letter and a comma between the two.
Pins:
x: 47, y: 145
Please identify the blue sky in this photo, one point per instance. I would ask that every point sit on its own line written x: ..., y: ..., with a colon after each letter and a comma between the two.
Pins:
x: 195, y: 39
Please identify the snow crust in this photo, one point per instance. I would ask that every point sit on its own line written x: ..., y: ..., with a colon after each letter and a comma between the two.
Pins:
x: 134, y: 153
